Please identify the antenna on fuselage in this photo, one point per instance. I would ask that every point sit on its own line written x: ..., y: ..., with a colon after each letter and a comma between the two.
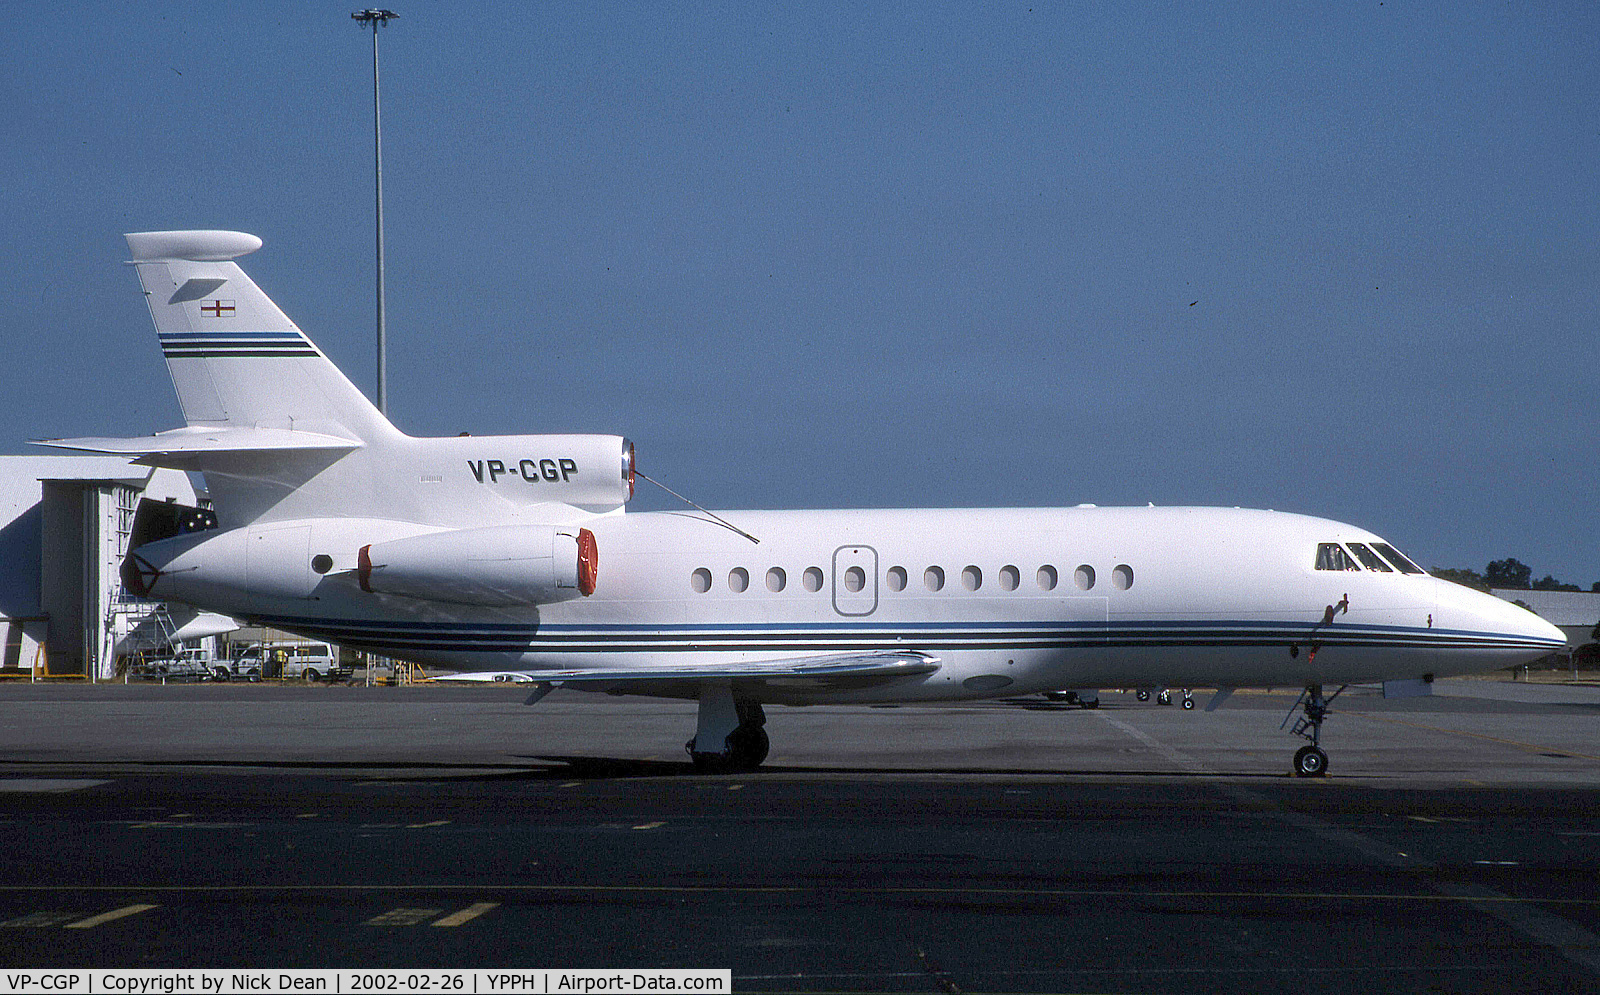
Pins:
x: 715, y: 517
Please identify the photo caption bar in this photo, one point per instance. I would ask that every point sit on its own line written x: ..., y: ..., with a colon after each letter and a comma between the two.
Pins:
x: 182, y: 981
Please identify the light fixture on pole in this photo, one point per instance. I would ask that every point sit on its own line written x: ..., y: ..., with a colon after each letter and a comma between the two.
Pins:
x: 376, y: 17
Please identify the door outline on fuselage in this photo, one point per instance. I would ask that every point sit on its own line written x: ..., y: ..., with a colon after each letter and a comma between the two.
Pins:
x: 855, y: 603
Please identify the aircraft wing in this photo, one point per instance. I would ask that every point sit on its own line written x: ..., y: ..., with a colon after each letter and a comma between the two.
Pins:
x: 836, y: 671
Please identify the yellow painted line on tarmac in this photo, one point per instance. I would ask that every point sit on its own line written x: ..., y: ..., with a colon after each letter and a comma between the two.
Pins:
x: 467, y: 914
x: 650, y: 825
x: 522, y: 888
x: 1530, y: 747
x: 429, y: 825
x: 122, y: 913
x: 403, y: 917
x: 41, y: 919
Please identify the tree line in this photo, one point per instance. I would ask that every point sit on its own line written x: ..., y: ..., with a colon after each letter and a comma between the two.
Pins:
x: 1509, y: 573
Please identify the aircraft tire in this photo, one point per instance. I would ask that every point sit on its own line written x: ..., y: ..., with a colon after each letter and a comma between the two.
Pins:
x: 747, y: 747
x: 1142, y: 695
x: 1188, y: 703
x: 1310, y: 761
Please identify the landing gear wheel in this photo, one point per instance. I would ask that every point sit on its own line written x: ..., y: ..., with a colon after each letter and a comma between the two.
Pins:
x: 747, y: 747
x: 1142, y: 695
x: 1188, y: 703
x: 1164, y: 698
x: 1310, y: 761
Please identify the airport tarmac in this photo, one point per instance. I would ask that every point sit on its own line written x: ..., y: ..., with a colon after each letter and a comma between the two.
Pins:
x: 993, y: 846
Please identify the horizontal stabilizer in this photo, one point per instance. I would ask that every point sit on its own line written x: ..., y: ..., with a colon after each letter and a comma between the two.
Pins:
x: 187, y: 447
x: 834, y: 670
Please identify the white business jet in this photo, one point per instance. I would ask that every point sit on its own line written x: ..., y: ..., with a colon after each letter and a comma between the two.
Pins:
x: 511, y: 558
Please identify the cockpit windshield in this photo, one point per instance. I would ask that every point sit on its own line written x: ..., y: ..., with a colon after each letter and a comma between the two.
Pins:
x: 1391, y: 554
x: 1331, y: 556
x: 1369, y: 559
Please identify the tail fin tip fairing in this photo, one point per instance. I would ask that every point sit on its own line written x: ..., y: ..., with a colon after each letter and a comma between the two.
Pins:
x: 190, y: 246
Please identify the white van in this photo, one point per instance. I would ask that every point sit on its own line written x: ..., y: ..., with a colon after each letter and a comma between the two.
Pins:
x: 308, y: 661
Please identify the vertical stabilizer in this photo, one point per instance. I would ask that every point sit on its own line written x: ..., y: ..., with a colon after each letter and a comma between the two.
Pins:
x: 236, y: 360
x: 283, y: 437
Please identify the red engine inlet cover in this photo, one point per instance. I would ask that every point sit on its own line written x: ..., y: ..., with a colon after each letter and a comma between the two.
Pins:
x: 588, y: 562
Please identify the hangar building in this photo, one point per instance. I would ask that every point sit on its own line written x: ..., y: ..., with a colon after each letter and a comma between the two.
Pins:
x: 65, y: 524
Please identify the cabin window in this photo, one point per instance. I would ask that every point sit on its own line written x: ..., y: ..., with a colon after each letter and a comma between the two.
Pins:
x: 700, y: 580
x: 1047, y: 578
x: 1404, y: 565
x: 1122, y: 577
x: 971, y: 578
x: 776, y: 579
x: 738, y: 580
x: 812, y: 579
x: 1084, y: 577
x: 1369, y: 559
x: 1331, y: 556
x: 897, y: 578
x: 855, y: 579
x: 1010, y: 577
x: 933, y: 577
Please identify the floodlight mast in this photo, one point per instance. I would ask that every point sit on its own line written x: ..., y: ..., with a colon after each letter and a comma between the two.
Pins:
x: 375, y: 17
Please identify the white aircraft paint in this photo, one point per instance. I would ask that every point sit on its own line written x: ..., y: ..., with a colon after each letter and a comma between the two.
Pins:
x: 512, y: 558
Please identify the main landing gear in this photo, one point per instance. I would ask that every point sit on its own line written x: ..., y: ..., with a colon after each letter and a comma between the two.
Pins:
x: 1164, y: 697
x: 1310, y: 761
x: 734, y: 725
x: 1085, y: 698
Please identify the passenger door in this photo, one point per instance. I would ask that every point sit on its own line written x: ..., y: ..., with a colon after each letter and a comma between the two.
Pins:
x: 855, y: 580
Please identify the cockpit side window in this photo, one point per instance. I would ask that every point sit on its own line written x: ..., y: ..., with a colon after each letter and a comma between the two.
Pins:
x: 1369, y: 559
x: 1391, y: 554
x: 1331, y: 556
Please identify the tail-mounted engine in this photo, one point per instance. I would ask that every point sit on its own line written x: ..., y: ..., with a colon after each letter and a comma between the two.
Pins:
x: 499, y: 565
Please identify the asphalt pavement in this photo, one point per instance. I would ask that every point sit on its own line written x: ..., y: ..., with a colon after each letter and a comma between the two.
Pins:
x: 1000, y: 846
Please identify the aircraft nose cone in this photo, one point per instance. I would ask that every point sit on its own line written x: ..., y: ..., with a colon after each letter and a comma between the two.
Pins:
x: 1521, y: 622
x: 1517, y: 634
x: 1537, y: 628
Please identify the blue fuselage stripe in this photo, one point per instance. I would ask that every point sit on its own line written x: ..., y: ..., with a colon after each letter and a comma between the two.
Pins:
x: 529, y: 638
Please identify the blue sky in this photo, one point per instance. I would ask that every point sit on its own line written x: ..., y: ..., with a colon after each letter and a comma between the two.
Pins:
x: 1331, y: 258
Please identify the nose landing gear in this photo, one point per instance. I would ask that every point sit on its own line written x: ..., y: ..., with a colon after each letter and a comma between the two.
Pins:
x: 1310, y: 761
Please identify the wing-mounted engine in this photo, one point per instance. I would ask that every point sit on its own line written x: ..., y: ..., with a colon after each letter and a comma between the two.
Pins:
x: 499, y: 565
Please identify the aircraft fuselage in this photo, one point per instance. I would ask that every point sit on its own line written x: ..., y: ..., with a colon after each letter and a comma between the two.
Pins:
x: 1009, y: 601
